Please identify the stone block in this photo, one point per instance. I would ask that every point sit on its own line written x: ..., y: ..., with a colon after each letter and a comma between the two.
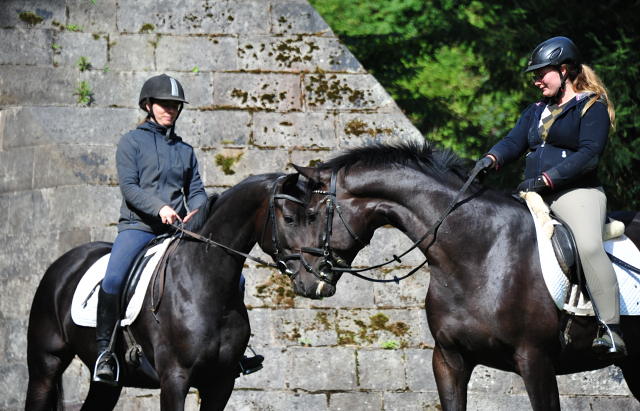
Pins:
x: 16, y: 170
x: 308, y: 158
x: 176, y: 53
x: 76, y: 380
x: 373, y: 328
x: 419, y: 369
x: 271, y: 377
x: 351, y: 292
x: 215, y: 128
x: 604, y: 382
x: 260, y: 320
x: 28, y: 47
x: 49, y: 10
x: 74, y: 165
x: 132, y: 52
x: 12, y: 383
x: 72, y: 239
x: 85, y: 206
x: 294, y: 130
x: 296, y: 54
x: 313, y: 327
x: 75, y: 45
x: 483, y: 402
x: 34, y: 126
x: 23, y: 85
x: 5, y: 223
x: 107, y: 234
x: 24, y: 256
x: 386, y: 242
x: 361, y: 401
x: 330, y: 91
x: 490, y: 380
x: 194, y: 17
x: 293, y: 18
x: 381, y: 370
x: 412, y: 401
x: 357, y: 129
x: 316, y: 369
x: 594, y: 403
x: 243, y: 400
x: 228, y: 167
x: 17, y: 294
x: 426, y: 337
x: 98, y: 17
x: 15, y: 350
x: 266, y: 287
x: 410, y: 293
x: 280, y: 92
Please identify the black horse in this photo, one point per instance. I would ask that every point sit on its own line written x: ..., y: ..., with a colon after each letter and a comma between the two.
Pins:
x: 487, y: 301
x: 203, y: 326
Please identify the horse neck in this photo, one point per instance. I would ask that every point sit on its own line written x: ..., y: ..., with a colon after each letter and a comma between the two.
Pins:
x: 413, y: 201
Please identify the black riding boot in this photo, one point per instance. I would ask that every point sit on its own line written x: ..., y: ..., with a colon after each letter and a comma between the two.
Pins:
x: 107, y: 316
x: 250, y: 365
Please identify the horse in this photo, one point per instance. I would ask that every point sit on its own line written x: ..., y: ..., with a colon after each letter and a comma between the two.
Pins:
x: 487, y: 302
x: 202, y: 326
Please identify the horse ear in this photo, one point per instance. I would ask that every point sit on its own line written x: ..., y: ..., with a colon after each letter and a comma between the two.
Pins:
x: 290, y: 180
x: 308, y: 172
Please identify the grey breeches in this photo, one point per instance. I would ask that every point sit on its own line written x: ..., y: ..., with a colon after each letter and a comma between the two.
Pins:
x: 584, y: 210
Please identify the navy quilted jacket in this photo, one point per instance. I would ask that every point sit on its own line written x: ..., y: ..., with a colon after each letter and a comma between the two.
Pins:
x: 574, y: 144
x: 153, y: 171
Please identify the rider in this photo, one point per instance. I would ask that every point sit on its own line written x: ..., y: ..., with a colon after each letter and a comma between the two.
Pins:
x: 157, y: 173
x: 565, y: 134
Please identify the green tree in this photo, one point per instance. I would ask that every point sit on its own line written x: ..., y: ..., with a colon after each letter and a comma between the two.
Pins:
x: 455, y: 68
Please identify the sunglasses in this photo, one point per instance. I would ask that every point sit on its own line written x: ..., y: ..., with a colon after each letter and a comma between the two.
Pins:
x: 539, y: 77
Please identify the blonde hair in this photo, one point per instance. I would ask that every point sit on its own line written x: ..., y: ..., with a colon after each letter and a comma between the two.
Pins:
x: 583, y: 78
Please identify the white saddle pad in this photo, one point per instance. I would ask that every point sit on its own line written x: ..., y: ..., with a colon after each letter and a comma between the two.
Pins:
x: 85, y: 314
x: 558, y: 284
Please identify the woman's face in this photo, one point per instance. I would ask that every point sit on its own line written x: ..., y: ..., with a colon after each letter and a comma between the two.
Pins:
x: 165, y: 111
x: 548, y: 80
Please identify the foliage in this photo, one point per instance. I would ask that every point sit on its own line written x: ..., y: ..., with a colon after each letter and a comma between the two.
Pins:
x: 455, y: 68
x: 85, y: 95
x: 83, y: 63
x: 73, y: 27
x: 390, y: 345
x: 30, y: 18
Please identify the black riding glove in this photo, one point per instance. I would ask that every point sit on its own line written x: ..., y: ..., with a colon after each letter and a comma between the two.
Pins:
x: 482, y: 167
x: 533, y: 184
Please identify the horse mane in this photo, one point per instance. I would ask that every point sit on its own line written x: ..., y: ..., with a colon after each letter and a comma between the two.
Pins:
x: 425, y: 156
x: 196, y: 222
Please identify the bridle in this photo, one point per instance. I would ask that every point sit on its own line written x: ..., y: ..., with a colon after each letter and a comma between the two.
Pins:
x: 328, y: 256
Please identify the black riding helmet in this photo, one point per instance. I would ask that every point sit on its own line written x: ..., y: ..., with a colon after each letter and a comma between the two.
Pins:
x: 161, y: 87
x: 554, y: 52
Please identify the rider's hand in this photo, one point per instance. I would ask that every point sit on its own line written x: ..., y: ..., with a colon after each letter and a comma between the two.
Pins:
x: 533, y: 184
x: 168, y: 215
x: 483, y: 165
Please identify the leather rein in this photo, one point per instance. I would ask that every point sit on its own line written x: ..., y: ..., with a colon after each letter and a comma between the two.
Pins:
x: 332, y: 204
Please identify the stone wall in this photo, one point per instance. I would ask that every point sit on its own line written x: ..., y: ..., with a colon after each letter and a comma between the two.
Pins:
x: 268, y: 84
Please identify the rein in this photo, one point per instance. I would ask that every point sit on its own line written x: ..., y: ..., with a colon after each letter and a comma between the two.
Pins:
x: 326, y: 252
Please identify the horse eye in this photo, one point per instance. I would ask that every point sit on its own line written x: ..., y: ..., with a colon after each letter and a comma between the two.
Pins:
x: 312, y: 217
x: 288, y: 220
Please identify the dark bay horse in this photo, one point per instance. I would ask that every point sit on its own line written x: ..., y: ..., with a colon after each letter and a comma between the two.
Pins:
x: 203, y: 326
x: 487, y: 301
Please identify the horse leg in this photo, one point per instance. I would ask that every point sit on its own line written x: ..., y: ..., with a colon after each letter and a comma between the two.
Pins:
x: 630, y: 368
x: 452, y: 375
x: 44, y: 391
x: 101, y: 397
x: 536, y: 369
x: 215, y: 396
x: 174, y: 389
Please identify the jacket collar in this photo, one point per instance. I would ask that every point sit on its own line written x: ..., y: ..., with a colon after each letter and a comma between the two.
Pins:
x: 159, y: 129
